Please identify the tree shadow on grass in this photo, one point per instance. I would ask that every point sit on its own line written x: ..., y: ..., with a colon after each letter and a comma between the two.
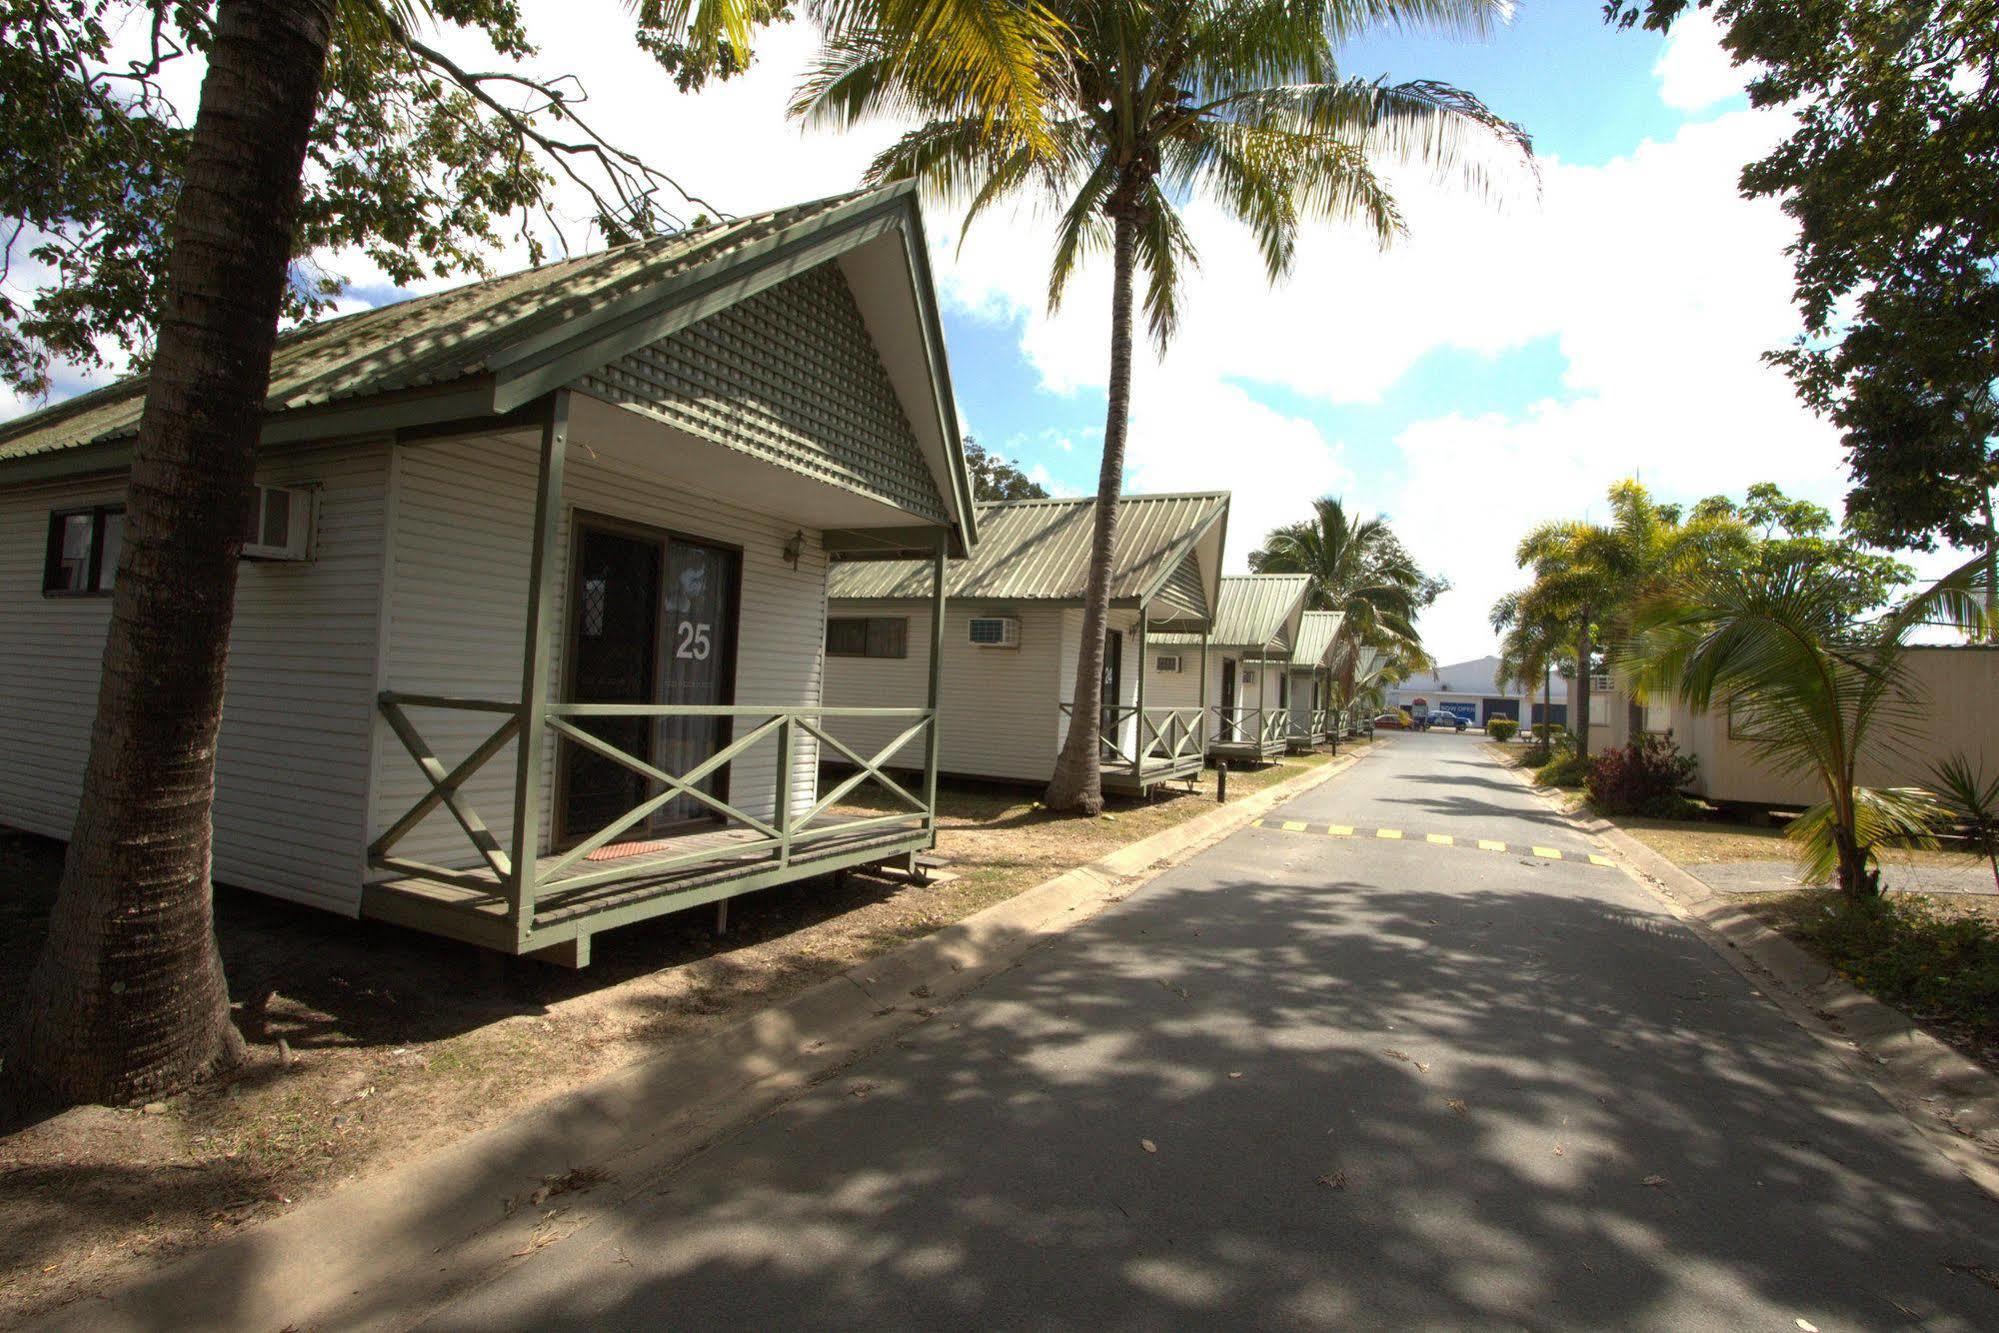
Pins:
x: 347, y: 982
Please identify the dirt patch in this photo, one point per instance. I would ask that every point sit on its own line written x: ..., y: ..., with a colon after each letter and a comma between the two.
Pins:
x: 371, y: 1045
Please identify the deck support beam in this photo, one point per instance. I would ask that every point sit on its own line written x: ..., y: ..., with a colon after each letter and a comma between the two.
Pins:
x: 534, y: 667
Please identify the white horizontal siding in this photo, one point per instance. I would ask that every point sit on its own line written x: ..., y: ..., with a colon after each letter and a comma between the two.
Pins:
x: 997, y: 707
x: 292, y: 763
x: 464, y: 519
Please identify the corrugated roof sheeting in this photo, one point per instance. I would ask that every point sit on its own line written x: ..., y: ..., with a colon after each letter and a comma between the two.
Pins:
x: 426, y: 340
x: 1039, y: 550
x: 1252, y: 610
x: 1316, y: 634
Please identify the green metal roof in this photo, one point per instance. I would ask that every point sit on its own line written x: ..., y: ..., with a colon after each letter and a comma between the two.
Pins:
x: 435, y: 339
x: 1039, y: 550
x: 1254, y: 611
x: 1317, y: 632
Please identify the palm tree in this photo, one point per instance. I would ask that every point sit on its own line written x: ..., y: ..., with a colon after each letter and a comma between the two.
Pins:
x: 1588, y: 575
x: 1807, y: 689
x: 1151, y: 102
x: 128, y: 998
x: 1528, y: 651
x: 1358, y: 568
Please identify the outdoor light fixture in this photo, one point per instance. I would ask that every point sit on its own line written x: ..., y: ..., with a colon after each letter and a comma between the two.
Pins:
x: 795, y: 548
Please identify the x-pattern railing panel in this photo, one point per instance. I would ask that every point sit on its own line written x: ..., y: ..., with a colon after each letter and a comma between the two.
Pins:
x: 1236, y: 724
x: 867, y: 769
x: 1175, y: 730
x: 446, y: 786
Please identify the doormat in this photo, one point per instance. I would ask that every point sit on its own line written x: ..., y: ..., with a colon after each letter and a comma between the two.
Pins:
x: 618, y: 851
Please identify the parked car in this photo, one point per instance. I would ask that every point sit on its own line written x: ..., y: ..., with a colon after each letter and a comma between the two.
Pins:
x: 1392, y: 721
x: 1455, y: 721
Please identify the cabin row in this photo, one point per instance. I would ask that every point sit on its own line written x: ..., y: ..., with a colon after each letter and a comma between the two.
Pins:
x: 633, y: 583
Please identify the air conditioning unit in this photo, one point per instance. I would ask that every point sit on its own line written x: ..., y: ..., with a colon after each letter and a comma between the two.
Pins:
x: 279, y: 525
x: 995, y: 632
x: 1168, y: 664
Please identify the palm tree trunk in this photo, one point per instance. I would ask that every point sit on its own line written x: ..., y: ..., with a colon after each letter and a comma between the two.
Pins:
x: 1078, y: 781
x: 128, y: 999
x: 1547, y: 699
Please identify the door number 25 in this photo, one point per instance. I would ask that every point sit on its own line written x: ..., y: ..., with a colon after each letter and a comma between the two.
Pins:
x: 694, y: 641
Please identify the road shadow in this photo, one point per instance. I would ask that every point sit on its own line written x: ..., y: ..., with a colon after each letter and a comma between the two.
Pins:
x: 1274, y: 1101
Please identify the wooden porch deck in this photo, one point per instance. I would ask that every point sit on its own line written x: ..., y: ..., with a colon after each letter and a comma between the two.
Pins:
x: 656, y: 883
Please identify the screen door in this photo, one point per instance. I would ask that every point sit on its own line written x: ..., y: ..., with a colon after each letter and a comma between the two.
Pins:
x: 698, y: 650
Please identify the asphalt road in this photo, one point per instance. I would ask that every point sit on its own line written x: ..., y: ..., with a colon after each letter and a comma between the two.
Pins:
x: 1309, y: 1080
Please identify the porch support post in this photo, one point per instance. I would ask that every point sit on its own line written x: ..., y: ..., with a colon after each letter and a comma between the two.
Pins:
x: 1201, y: 722
x: 1144, y: 663
x: 1262, y: 702
x: 932, y: 750
x: 534, y: 662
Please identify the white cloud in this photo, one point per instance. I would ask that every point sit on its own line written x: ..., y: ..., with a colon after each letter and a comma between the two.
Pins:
x: 1658, y: 284
x: 1694, y: 70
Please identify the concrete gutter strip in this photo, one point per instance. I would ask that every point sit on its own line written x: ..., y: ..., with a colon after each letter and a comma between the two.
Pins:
x: 1951, y: 1100
x: 384, y: 1251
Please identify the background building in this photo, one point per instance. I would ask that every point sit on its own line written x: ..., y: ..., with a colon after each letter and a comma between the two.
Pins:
x: 1467, y: 688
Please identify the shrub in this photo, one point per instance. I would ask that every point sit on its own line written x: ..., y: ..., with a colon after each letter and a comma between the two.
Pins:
x: 1551, y: 733
x: 1643, y: 778
x: 1501, y: 728
x: 1536, y: 755
x: 1567, y: 771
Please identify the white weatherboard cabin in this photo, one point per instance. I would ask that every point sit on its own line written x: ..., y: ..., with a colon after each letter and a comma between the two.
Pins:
x: 1953, y: 689
x: 1313, y: 722
x: 527, y: 639
x: 1014, y: 632
x: 1239, y: 674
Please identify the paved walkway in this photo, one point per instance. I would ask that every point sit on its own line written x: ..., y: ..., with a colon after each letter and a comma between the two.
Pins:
x: 1310, y: 1080
x: 1782, y: 877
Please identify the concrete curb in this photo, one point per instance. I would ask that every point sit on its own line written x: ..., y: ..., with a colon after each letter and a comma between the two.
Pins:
x: 384, y: 1251
x: 1951, y: 1100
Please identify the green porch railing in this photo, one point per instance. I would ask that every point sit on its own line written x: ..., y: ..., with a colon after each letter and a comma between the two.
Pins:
x: 783, y: 833
x: 1170, y: 734
x: 1265, y: 728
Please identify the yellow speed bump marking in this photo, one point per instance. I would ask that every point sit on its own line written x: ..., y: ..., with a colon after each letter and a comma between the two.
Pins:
x: 1294, y: 826
x: 1596, y: 860
x: 1440, y: 839
x: 1548, y: 853
x: 1388, y: 833
x: 1340, y: 830
x: 1488, y: 845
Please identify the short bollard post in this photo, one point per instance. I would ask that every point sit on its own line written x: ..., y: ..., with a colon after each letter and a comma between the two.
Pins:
x: 1221, y: 781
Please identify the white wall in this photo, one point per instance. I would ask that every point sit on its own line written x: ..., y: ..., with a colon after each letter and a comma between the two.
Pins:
x: 1954, y: 690
x: 999, y: 707
x: 463, y: 523
x: 292, y: 761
